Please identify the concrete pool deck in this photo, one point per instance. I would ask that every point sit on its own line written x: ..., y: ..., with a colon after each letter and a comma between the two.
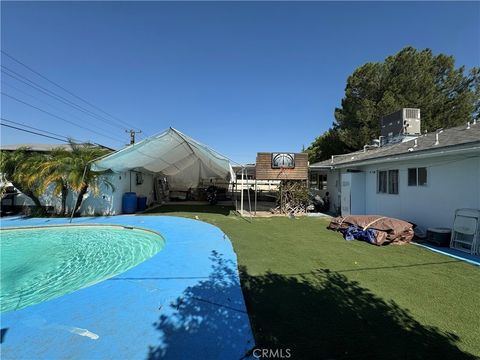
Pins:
x: 185, y: 302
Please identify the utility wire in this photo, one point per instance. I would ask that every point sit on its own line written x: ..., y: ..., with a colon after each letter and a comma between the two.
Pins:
x: 33, y: 132
x: 58, y: 117
x: 55, y: 107
x: 68, y: 138
x: 67, y: 91
x: 34, y: 128
x: 56, y: 96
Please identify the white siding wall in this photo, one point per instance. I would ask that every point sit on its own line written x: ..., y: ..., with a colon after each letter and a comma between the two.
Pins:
x: 46, y: 199
x: 453, y: 183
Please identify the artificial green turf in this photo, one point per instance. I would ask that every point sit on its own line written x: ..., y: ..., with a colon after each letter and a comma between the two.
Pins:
x: 309, y: 290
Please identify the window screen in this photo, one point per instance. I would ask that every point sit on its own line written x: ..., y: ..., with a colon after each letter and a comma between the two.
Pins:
x: 382, y: 182
x: 412, y: 177
x: 422, y: 176
x: 322, y: 182
x: 393, y: 181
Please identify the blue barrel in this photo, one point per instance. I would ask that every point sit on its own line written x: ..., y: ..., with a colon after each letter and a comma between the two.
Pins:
x: 141, y: 203
x: 129, y: 203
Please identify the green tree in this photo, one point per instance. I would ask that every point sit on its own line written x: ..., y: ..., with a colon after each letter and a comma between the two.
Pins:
x: 19, y: 168
x: 446, y: 96
x: 326, y: 145
x: 80, y: 176
x: 53, y: 169
x: 33, y: 173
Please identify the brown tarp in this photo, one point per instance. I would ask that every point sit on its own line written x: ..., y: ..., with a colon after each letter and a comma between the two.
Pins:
x: 387, y: 230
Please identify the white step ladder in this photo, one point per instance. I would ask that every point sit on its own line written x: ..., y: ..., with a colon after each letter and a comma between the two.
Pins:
x: 466, y: 231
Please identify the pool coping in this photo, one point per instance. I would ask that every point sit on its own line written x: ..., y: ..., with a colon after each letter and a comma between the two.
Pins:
x: 158, y: 300
x: 453, y: 253
x: 81, y: 225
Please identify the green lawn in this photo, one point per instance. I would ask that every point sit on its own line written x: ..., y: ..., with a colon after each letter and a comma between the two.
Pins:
x: 309, y: 290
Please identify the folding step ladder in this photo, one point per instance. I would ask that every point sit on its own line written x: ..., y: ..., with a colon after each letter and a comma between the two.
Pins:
x: 466, y: 231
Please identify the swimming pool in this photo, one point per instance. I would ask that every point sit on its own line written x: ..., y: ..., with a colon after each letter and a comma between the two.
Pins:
x: 38, y: 264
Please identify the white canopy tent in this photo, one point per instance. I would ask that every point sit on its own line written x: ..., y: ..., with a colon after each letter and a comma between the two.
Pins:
x: 184, y: 161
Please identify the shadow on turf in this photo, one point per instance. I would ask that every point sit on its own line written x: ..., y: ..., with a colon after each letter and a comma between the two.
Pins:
x: 327, y: 316
x: 320, y: 316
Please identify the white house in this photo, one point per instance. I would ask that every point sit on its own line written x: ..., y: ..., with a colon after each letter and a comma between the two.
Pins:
x: 422, y: 179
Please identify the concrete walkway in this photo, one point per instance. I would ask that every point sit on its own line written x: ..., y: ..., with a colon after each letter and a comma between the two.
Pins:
x: 183, y: 303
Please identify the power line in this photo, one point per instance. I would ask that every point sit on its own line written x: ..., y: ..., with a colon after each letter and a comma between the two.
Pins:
x: 58, y: 117
x: 54, y: 95
x: 34, y: 128
x: 61, y: 87
x: 33, y: 132
x: 53, y: 106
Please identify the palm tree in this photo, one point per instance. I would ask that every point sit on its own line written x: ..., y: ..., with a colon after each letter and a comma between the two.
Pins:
x: 32, y: 173
x: 80, y: 176
x: 52, y: 169
x: 18, y: 167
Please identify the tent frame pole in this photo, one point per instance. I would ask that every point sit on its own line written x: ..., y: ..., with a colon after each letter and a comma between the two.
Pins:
x: 255, y: 209
x: 249, y: 202
x: 241, y: 195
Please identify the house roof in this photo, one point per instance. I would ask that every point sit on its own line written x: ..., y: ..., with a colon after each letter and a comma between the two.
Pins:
x: 40, y: 147
x: 459, y: 136
x: 35, y: 147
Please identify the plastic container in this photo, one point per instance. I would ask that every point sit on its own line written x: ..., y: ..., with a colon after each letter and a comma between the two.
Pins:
x: 129, y: 203
x: 141, y: 203
x: 439, y: 236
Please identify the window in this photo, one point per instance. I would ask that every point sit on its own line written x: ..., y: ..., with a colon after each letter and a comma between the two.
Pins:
x: 387, y: 182
x: 322, y: 182
x: 417, y: 176
x: 393, y: 181
x: 412, y: 177
x: 313, y: 179
x: 382, y: 182
x: 422, y: 176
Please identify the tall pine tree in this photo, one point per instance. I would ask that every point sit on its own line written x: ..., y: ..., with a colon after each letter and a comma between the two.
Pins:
x: 447, y: 96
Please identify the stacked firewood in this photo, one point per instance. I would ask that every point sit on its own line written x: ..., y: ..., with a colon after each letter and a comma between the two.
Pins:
x: 292, y: 198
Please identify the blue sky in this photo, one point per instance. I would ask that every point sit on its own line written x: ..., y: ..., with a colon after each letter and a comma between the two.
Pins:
x: 240, y: 77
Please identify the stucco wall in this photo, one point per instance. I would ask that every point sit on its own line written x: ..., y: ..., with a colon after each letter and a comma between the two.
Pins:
x: 110, y: 203
x: 105, y: 202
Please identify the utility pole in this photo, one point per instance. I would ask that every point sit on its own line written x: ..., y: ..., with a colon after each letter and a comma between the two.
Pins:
x: 132, y: 135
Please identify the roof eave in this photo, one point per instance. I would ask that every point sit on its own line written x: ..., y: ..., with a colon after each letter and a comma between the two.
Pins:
x: 427, y: 153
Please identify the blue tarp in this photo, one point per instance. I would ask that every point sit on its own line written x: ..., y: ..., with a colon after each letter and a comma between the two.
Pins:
x: 356, y: 232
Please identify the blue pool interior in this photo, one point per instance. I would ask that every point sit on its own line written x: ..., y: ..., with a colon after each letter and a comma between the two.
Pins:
x: 41, y: 263
x: 183, y: 301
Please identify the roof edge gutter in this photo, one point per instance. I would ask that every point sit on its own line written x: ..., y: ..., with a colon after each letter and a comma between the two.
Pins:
x: 407, y: 156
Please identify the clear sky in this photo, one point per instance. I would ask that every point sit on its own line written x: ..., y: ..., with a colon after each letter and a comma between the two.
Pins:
x: 241, y: 77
